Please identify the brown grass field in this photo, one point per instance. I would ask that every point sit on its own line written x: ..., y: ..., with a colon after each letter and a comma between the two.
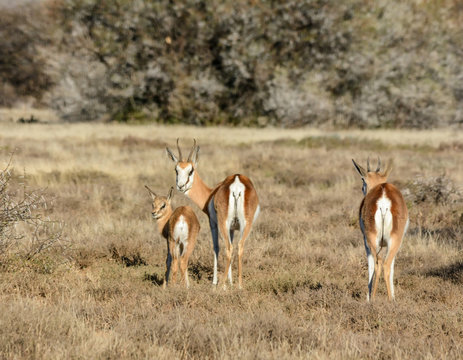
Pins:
x: 305, y: 269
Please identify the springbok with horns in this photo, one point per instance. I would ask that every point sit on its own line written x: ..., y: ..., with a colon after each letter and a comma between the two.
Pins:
x: 180, y: 228
x: 383, y: 219
x: 231, y: 205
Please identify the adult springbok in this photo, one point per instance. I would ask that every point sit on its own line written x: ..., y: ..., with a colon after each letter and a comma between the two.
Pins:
x: 180, y: 228
x: 231, y: 205
x: 383, y: 219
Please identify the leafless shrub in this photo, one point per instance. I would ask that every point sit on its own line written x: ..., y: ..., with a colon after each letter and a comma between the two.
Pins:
x: 437, y: 190
x: 24, y: 230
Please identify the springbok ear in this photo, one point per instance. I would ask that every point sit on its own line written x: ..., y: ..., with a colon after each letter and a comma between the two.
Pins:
x: 359, y: 169
x: 171, y: 155
x: 388, y: 168
x: 195, y: 156
x: 152, y: 193
x: 171, y: 193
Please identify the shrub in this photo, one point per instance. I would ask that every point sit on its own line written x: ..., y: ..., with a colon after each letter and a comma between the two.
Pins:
x: 205, y: 62
x: 292, y: 63
x: 24, y: 231
x: 437, y: 190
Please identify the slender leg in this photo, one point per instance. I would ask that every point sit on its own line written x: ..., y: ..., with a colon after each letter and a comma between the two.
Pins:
x: 168, y: 267
x: 174, y: 251
x: 387, y: 277
x: 215, y: 243
x: 184, y: 270
x: 371, y: 264
x: 371, y: 272
x: 174, y: 269
x: 391, y: 279
x: 230, y: 277
x: 229, y: 249
x: 243, y: 237
x: 224, y: 233
x: 186, y: 255
x: 389, y: 267
x: 378, y: 268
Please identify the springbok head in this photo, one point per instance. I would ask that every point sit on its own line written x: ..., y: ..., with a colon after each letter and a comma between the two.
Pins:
x: 161, y: 204
x: 372, y: 178
x: 184, y: 169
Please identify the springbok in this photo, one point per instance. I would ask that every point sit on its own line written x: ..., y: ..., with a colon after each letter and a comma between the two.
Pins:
x: 180, y: 228
x: 383, y: 217
x: 231, y: 205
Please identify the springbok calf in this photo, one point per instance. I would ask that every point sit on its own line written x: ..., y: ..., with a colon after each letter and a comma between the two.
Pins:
x: 383, y: 219
x: 180, y: 228
x: 231, y: 205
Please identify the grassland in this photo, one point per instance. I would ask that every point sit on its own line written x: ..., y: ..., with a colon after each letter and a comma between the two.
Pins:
x: 305, y: 270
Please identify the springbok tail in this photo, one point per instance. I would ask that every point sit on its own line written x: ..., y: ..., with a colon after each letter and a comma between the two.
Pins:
x: 383, y: 215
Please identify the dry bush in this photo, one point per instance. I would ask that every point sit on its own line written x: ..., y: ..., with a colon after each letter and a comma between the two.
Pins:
x: 355, y: 64
x: 24, y: 230
x: 439, y: 212
x: 438, y: 190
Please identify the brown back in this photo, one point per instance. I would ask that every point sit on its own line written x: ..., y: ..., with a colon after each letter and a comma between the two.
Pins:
x: 222, y: 193
x: 398, y: 209
x: 187, y: 212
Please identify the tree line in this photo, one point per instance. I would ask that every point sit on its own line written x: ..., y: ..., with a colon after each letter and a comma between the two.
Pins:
x: 283, y: 63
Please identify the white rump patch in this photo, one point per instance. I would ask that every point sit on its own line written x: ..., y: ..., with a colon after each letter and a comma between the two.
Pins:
x: 180, y: 236
x: 383, y: 220
x: 236, y: 219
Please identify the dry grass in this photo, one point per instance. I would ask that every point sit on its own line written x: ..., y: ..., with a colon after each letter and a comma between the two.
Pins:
x: 305, y: 269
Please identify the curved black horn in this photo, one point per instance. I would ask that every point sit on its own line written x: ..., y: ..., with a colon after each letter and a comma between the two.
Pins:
x: 368, y: 164
x: 180, y: 158
x: 192, y: 149
x: 379, y: 165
